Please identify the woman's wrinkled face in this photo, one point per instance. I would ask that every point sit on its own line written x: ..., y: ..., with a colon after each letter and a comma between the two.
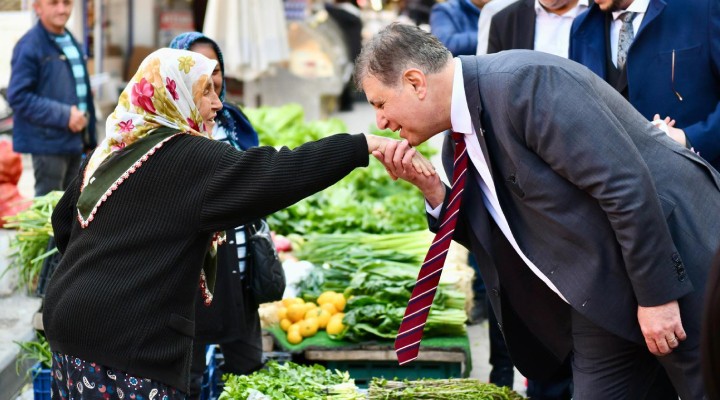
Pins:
x: 208, y: 51
x: 209, y: 104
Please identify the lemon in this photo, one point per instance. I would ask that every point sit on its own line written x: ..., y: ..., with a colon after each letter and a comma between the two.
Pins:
x: 312, y: 313
x: 287, y: 302
x: 285, y: 324
x: 329, y: 307
x: 339, y: 301
x: 282, y: 313
x: 326, y: 297
x: 335, y: 326
x: 308, y: 327
x: 323, y: 318
x: 296, y: 312
x: 294, y: 337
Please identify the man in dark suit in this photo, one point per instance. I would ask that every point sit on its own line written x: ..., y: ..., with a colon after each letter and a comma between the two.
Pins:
x: 671, y: 65
x: 581, y: 222
x: 542, y: 25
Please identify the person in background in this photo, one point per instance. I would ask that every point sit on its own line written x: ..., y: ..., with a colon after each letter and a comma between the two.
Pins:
x: 418, y: 11
x: 488, y: 11
x: 347, y: 16
x: 574, y: 205
x: 49, y: 92
x: 542, y: 25
x: 710, y: 345
x: 140, y: 225
x: 664, y: 57
x: 455, y: 24
x: 232, y: 318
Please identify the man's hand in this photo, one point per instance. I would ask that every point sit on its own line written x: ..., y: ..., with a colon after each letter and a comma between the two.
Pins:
x: 399, y: 159
x: 668, y: 126
x: 662, y: 328
x: 77, y: 122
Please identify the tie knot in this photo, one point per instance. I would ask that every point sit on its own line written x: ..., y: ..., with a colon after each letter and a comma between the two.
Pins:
x: 457, y: 136
x: 627, y: 16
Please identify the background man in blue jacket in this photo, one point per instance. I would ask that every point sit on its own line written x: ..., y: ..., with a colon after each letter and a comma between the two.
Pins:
x: 671, y: 66
x: 49, y: 92
x: 455, y: 24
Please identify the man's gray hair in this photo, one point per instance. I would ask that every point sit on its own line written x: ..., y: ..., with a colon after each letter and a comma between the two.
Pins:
x: 396, y: 48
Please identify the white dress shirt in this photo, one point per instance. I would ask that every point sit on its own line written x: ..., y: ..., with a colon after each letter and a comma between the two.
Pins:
x: 462, y: 123
x: 637, y: 6
x: 552, y: 31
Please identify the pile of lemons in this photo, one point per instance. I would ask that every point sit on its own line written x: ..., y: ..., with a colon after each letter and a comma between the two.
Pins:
x: 300, y: 319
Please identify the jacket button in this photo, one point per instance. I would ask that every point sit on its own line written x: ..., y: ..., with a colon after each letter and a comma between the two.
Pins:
x: 676, y: 258
x: 495, y: 292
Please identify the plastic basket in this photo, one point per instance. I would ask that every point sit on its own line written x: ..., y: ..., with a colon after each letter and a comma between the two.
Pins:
x: 41, y: 382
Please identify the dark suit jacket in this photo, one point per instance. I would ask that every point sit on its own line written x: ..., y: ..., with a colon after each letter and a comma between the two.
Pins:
x: 599, y: 201
x: 513, y: 27
x: 692, y: 30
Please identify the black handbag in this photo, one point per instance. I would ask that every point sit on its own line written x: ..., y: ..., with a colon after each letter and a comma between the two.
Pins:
x: 265, y: 277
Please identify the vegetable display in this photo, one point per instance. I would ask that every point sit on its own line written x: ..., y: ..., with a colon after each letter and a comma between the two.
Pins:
x: 377, y: 274
x: 367, y: 200
x: 290, y: 381
x: 29, y: 246
x: 439, y: 389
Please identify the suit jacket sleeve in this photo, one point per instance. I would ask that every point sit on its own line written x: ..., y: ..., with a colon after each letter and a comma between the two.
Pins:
x: 706, y: 134
x: 592, y: 151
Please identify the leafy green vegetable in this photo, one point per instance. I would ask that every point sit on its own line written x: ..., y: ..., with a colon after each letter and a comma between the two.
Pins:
x: 367, y: 200
x: 29, y: 245
x: 38, y: 350
x: 377, y: 272
x: 291, y: 381
x: 439, y: 389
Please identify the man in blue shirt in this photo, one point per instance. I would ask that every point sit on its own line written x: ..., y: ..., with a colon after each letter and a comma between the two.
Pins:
x: 49, y: 92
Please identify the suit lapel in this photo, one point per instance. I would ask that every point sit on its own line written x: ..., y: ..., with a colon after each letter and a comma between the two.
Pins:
x: 526, y: 26
x: 653, y: 11
x: 592, y: 40
x: 472, y: 93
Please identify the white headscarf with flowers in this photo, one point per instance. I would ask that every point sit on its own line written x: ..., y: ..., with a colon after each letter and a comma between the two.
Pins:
x: 163, y: 92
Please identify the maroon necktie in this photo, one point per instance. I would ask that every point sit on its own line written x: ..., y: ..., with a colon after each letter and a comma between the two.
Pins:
x: 407, y: 342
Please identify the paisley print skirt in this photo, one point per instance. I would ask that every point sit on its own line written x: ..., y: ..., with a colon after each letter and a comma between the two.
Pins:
x: 74, y: 379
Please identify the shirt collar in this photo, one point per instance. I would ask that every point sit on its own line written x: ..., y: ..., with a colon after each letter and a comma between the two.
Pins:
x: 459, y: 111
x: 571, y: 13
x: 637, y: 6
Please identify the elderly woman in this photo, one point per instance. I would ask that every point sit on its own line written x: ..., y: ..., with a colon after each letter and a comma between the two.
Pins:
x: 140, y: 225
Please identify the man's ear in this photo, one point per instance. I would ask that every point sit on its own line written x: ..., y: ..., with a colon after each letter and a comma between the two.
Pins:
x: 417, y: 80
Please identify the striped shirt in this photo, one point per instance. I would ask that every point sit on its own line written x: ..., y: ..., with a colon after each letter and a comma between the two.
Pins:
x: 220, y: 134
x: 78, y: 69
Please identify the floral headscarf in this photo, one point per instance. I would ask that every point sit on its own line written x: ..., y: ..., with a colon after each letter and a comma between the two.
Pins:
x: 163, y: 93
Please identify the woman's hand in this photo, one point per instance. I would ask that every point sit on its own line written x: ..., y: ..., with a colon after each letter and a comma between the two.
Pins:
x: 401, y: 161
x: 379, y: 147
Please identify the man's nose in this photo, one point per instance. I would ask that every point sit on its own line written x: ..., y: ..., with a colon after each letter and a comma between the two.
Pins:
x: 380, y: 120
